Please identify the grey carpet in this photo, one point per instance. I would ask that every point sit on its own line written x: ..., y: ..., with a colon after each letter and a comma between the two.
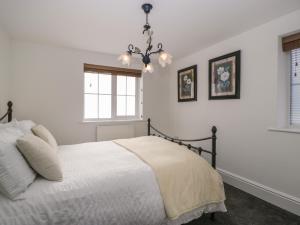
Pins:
x: 245, y: 209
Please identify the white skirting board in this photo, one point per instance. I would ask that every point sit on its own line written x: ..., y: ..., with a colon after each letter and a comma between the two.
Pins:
x: 275, y: 197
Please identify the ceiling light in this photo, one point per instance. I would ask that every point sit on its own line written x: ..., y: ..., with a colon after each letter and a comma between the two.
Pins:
x: 164, y: 57
x: 148, y: 68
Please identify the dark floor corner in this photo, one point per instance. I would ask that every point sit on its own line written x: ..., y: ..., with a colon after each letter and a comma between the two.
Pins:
x: 245, y: 209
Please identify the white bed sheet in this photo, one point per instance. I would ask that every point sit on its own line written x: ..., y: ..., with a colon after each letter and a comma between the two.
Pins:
x: 104, y: 184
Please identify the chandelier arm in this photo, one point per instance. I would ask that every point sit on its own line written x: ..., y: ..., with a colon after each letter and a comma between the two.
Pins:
x: 138, y: 53
x: 131, y: 50
x: 130, y: 47
x: 159, y: 46
x: 156, y: 52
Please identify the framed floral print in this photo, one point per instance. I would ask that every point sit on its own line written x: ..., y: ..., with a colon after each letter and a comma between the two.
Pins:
x: 187, y: 84
x: 224, y: 76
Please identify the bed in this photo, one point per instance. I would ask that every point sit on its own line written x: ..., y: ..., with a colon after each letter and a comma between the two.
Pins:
x: 105, y: 183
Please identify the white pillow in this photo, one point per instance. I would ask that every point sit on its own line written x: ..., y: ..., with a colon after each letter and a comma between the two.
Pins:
x: 41, y: 156
x: 43, y: 133
x: 15, y: 174
x: 10, y: 134
x: 26, y: 126
x: 13, y: 123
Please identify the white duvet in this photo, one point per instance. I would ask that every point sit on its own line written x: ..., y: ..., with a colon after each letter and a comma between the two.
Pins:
x: 104, y: 184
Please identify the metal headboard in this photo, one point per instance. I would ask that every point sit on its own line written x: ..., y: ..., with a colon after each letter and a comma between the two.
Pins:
x: 213, y: 138
x: 8, y: 113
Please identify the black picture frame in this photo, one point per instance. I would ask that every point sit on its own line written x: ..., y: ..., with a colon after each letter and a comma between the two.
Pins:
x: 189, y: 92
x: 231, y: 85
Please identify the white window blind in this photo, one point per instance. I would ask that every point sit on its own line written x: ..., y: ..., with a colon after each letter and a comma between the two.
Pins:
x: 295, y: 88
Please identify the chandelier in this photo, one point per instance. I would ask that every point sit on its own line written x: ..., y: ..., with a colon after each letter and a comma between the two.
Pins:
x: 164, y: 57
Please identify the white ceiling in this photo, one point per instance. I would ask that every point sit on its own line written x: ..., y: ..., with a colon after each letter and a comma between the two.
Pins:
x: 183, y: 26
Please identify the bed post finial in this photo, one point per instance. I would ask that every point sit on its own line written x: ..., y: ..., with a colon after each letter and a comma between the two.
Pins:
x: 9, y: 111
x: 214, y: 146
x: 149, y: 121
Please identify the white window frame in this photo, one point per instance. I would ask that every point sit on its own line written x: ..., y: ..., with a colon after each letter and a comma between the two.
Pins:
x: 114, y: 117
x: 283, y: 122
x: 292, y: 126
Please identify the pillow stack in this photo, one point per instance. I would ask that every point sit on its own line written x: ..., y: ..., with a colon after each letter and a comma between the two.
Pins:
x: 41, y: 153
x: 41, y: 156
x: 36, y: 153
x: 45, y: 135
x: 15, y: 173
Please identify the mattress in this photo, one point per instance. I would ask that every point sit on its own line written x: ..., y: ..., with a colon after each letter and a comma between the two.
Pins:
x: 104, y: 184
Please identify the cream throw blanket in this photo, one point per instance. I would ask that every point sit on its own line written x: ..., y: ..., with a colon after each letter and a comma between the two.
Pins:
x: 186, y: 180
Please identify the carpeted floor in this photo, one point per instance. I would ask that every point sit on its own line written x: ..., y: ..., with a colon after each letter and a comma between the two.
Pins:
x: 245, y: 209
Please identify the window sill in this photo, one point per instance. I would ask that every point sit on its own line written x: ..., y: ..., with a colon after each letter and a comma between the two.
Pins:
x: 286, y: 130
x: 112, y: 122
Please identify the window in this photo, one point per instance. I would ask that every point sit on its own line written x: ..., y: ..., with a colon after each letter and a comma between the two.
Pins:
x: 291, y: 48
x: 111, y: 93
x: 126, y: 96
x: 295, y: 88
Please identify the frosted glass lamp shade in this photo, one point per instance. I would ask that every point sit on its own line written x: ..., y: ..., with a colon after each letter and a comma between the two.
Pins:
x: 149, y: 68
x: 164, y: 58
x: 125, y: 58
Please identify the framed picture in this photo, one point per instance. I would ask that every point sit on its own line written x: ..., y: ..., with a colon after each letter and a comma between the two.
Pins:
x: 187, y: 84
x: 224, y: 76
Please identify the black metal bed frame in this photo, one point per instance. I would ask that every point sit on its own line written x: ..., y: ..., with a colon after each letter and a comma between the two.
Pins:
x: 213, y: 137
x: 8, y: 113
x: 213, y: 152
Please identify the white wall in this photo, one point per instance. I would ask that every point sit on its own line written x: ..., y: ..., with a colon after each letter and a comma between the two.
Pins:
x: 245, y: 146
x: 4, y: 69
x: 47, y: 87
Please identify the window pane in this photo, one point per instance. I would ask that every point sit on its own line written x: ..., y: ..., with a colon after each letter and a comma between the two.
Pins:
x: 295, y: 108
x: 104, y: 106
x: 130, y: 105
x: 90, y: 83
x: 121, y: 106
x: 90, y: 106
x: 295, y: 87
x: 121, y: 85
x: 104, y: 84
x: 130, y: 85
x: 296, y: 66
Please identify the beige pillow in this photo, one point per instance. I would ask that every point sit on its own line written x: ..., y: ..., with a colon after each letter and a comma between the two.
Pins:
x: 41, y: 157
x: 45, y: 134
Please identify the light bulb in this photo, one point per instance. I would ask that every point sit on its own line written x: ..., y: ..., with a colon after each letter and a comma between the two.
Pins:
x: 164, y: 58
x: 149, y: 68
x: 125, y: 58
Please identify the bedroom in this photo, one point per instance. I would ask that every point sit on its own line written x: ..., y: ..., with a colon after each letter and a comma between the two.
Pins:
x: 52, y: 53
